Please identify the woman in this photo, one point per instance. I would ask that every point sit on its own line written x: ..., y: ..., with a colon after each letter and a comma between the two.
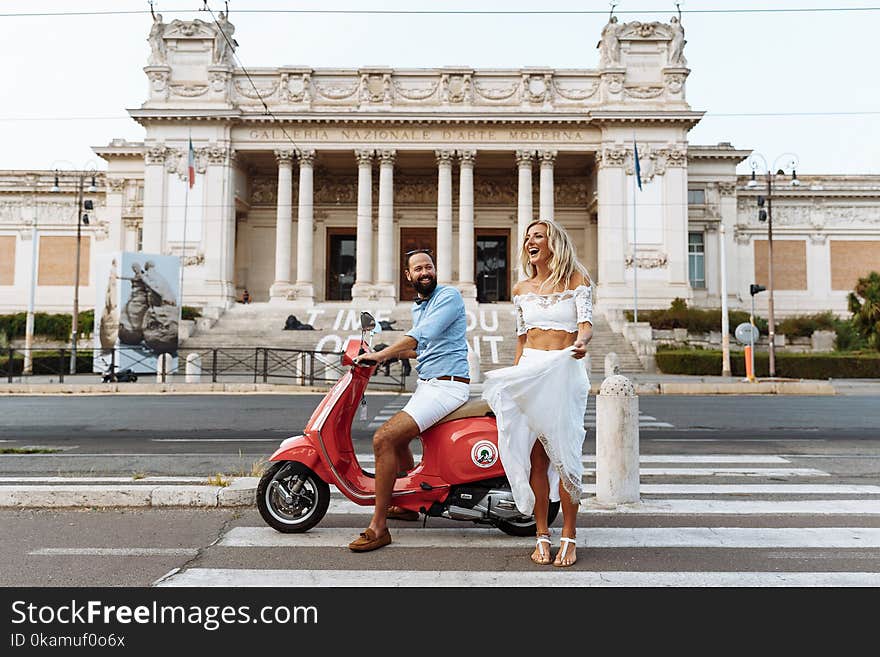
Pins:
x: 539, y: 404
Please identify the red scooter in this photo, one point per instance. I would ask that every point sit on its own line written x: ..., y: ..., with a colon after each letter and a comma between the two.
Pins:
x: 459, y: 477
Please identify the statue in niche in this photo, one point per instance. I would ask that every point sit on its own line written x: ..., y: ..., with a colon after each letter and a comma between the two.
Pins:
x: 609, y: 44
x: 158, y: 55
x: 223, y: 40
x: 676, y: 48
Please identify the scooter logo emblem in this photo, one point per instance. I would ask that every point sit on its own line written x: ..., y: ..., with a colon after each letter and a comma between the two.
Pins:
x: 484, y: 454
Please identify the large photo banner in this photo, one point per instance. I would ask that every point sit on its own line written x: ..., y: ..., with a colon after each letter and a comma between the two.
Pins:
x: 137, y: 311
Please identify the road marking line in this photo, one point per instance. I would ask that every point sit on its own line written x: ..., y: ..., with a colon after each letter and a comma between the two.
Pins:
x: 662, y: 506
x: 199, y: 577
x: 668, y: 458
x: 214, y: 440
x: 102, y: 480
x: 735, y: 440
x: 590, y: 537
x: 114, y: 552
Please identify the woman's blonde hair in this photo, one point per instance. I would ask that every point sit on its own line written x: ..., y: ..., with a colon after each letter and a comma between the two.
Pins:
x: 563, y: 257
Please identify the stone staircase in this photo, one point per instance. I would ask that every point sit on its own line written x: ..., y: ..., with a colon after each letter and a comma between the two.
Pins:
x: 491, y: 332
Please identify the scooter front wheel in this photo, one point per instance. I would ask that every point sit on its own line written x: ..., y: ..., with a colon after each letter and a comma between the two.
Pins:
x: 291, y: 497
x: 527, y: 527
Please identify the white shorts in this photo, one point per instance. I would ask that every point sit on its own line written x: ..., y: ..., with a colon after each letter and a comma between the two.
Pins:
x: 434, y: 400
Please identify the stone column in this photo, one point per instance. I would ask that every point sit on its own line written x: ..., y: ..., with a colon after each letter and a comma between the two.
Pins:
x: 466, y: 225
x: 524, y: 203
x: 612, y: 232
x: 304, y: 291
x: 363, y: 284
x: 727, y: 191
x: 675, y: 221
x: 443, y: 257
x: 281, y: 286
x: 548, y: 159
x: 218, y: 227
x: 154, y: 225
x: 385, y: 251
x: 115, y: 203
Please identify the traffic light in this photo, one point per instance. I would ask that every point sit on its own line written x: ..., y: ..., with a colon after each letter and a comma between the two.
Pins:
x: 762, y: 213
x: 754, y: 288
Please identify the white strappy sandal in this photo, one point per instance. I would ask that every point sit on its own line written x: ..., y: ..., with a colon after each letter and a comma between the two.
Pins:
x: 565, y: 542
x: 544, y: 552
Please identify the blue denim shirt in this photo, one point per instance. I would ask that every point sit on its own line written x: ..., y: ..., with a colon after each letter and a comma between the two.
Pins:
x: 439, y: 326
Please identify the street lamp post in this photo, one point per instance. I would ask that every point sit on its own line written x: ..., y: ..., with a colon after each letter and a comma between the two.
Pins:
x: 81, y: 218
x: 792, y: 162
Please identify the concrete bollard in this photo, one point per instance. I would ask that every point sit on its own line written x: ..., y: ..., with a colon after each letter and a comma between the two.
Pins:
x: 617, y: 442
x: 473, y: 366
x: 193, y: 368
x: 612, y: 364
x: 163, y: 367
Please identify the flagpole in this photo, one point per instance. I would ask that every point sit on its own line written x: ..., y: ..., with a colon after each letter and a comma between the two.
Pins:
x: 635, y: 259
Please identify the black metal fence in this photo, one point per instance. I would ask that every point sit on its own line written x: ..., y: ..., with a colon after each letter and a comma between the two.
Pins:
x: 210, y: 365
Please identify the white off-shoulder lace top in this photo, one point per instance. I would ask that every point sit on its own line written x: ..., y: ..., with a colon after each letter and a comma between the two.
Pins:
x: 560, y: 311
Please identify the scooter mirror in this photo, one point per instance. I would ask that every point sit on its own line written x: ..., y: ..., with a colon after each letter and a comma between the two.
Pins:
x: 368, y: 322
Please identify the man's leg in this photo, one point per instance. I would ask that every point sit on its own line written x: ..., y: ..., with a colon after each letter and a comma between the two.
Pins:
x: 390, y: 439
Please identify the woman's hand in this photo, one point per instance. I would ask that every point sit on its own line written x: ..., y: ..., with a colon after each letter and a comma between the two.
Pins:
x: 579, y: 350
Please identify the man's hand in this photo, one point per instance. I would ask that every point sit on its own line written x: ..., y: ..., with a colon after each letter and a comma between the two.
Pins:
x: 375, y: 358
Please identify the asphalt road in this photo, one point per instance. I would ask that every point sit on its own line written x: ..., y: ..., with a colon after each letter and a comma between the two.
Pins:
x: 204, y: 434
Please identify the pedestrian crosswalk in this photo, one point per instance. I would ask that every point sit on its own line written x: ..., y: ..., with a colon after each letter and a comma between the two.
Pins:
x: 762, y: 518
x: 389, y: 409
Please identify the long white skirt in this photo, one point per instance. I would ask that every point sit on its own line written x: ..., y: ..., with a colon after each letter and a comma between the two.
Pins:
x: 543, y: 398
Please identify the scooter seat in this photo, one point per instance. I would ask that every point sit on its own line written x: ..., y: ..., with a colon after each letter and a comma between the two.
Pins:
x: 475, y: 408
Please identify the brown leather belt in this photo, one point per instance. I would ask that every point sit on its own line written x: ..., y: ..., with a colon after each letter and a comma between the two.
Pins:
x: 460, y: 379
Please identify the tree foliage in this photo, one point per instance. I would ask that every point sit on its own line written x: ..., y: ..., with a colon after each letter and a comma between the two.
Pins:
x: 864, y: 304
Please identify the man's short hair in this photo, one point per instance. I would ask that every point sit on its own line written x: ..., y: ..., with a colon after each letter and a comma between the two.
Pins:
x: 410, y: 254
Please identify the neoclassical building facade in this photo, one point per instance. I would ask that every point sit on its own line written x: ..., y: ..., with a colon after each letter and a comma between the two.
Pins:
x: 311, y: 184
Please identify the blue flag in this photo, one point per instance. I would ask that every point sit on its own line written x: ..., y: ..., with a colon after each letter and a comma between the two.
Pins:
x: 638, y: 167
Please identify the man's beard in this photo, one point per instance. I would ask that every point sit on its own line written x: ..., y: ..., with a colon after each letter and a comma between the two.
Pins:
x: 424, y: 289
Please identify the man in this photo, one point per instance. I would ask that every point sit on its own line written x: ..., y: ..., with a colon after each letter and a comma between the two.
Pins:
x: 437, y: 340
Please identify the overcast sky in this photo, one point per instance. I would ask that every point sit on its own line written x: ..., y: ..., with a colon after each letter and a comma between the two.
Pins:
x: 88, y: 69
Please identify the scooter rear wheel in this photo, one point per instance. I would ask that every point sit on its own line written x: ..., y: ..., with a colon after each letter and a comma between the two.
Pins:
x: 527, y: 528
x: 285, y: 507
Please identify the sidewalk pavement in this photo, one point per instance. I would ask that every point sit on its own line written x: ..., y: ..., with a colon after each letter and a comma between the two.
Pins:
x: 101, y: 492
x: 645, y: 384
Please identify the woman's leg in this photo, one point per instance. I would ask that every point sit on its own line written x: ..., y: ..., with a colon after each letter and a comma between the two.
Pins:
x: 567, y: 554
x: 541, y: 488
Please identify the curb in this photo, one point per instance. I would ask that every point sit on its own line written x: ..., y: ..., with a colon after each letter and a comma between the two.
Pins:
x: 240, y: 492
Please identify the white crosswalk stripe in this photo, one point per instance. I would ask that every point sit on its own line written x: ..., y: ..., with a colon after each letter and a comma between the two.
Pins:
x: 771, y: 515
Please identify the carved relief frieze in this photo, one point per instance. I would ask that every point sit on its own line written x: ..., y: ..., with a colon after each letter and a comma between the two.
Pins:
x: 416, y: 92
x: 215, y: 154
x: 643, y: 92
x: 614, y: 81
x: 647, y: 261
x: 264, y: 191
x: 116, y: 185
x: 537, y: 88
x: 492, y: 190
x: 495, y: 91
x: 258, y: 91
x: 337, y: 91
x: 219, y: 80
x: 576, y: 93
x: 339, y: 190
x: 571, y: 192
x: 296, y: 88
x: 675, y: 155
x: 727, y: 188
x: 189, y: 90
x: 674, y: 82
x: 156, y: 154
x: 611, y: 156
x: 198, y: 258
x: 374, y: 88
x: 456, y: 88
x: 818, y: 238
x: 159, y: 80
x: 653, y: 30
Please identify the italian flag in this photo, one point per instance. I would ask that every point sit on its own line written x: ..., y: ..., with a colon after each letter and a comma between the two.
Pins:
x: 191, y: 164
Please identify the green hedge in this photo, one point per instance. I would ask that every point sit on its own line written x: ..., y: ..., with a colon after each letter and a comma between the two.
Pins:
x: 55, y: 327
x: 694, y: 319
x: 835, y: 365
x: 190, y: 312
x: 46, y: 363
